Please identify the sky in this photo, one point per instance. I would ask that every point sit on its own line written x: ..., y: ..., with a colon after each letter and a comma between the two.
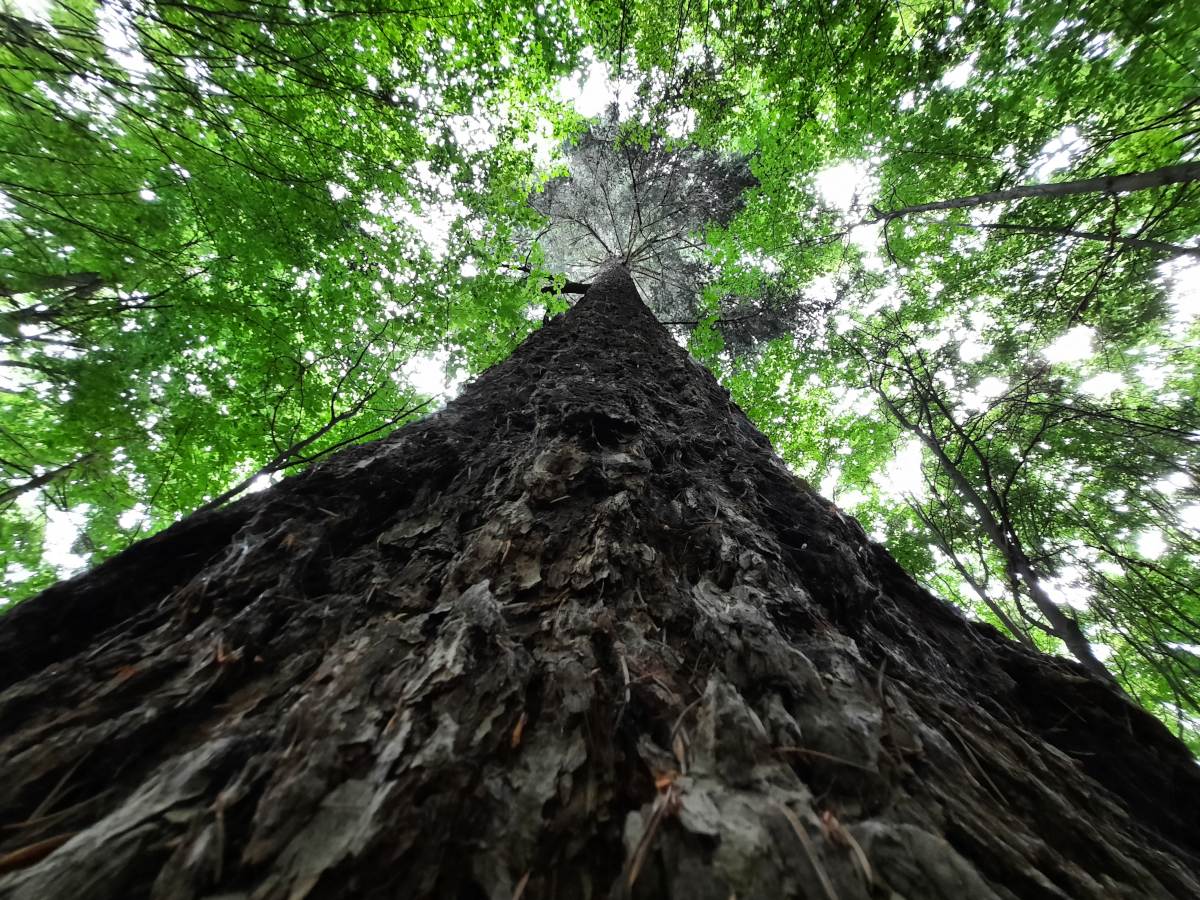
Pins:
x: 32, y: 9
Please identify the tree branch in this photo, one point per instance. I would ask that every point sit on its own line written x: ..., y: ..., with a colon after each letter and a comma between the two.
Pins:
x: 571, y: 287
x: 1062, y: 231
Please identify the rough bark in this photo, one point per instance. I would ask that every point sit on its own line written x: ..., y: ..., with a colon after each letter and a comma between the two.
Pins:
x: 578, y: 635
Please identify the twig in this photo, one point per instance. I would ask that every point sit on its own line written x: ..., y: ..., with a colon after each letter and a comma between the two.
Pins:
x: 807, y: 843
x: 881, y: 689
x: 44, y: 806
x: 971, y: 755
x: 687, y: 709
x: 61, y: 814
x: 219, y: 838
x: 674, y: 697
x: 841, y: 836
x: 519, y: 729
x: 862, y: 859
x: 625, y: 702
x: 665, y: 800
x: 33, y: 854
x: 829, y: 756
x: 521, y: 886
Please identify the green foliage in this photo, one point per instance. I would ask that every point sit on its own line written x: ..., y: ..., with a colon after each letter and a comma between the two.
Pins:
x: 931, y: 102
x: 222, y: 238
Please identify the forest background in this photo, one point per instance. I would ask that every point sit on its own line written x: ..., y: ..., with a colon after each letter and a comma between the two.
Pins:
x: 945, y: 255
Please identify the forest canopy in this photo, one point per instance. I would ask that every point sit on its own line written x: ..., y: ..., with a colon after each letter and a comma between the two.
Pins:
x: 945, y: 255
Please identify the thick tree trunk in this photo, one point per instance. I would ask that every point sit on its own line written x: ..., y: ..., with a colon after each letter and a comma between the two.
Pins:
x: 578, y: 635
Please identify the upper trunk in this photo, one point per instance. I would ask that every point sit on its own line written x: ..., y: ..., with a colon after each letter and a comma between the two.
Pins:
x: 580, y: 630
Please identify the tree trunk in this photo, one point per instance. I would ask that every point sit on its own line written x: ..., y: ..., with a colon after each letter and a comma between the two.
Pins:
x: 579, y: 635
x: 1183, y: 173
x: 44, y: 479
x: 1065, y: 232
x: 1006, y: 542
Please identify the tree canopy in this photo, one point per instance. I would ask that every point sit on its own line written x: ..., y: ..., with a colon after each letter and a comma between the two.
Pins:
x: 944, y: 254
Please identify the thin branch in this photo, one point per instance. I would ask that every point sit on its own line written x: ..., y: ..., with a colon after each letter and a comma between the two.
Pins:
x: 1064, y: 232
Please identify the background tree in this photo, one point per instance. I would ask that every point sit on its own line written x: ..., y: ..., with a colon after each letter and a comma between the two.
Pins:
x: 984, y: 450
x: 630, y: 193
x: 963, y: 103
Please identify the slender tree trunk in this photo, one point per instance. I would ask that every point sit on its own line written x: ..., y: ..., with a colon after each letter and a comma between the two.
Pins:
x: 1107, y: 184
x: 579, y: 635
x: 292, y: 456
x: 44, y: 479
x: 1064, y: 232
x: 1008, y: 545
x: 952, y: 554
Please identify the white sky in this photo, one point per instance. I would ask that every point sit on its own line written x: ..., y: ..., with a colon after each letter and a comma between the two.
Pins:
x: 426, y: 374
x: 32, y: 9
x: 903, y: 477
x: 987, y: 390
x: 1057, y: 154
x: 590, y: 90
x: 62, y: 529
x: 1073, y: 346
x: 1102, y: 385
x: 1151, y: 544
x: 958, y: 76
x: 1182, y: 279
x: 841, y: 184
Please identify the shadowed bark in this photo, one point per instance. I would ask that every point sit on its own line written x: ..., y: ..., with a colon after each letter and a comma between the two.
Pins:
x: 580, y: 634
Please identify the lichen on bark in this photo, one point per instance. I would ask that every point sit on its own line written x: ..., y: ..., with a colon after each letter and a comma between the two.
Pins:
x: 579, y: 634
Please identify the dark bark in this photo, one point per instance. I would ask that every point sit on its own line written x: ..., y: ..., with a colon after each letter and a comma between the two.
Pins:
x: 571, y: 287
x: 580, y: 626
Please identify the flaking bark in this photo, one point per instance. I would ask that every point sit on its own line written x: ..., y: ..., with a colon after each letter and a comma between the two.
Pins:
x: 578, y: 635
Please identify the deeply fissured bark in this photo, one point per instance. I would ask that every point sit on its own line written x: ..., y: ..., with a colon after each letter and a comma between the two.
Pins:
x: 580, y: 634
